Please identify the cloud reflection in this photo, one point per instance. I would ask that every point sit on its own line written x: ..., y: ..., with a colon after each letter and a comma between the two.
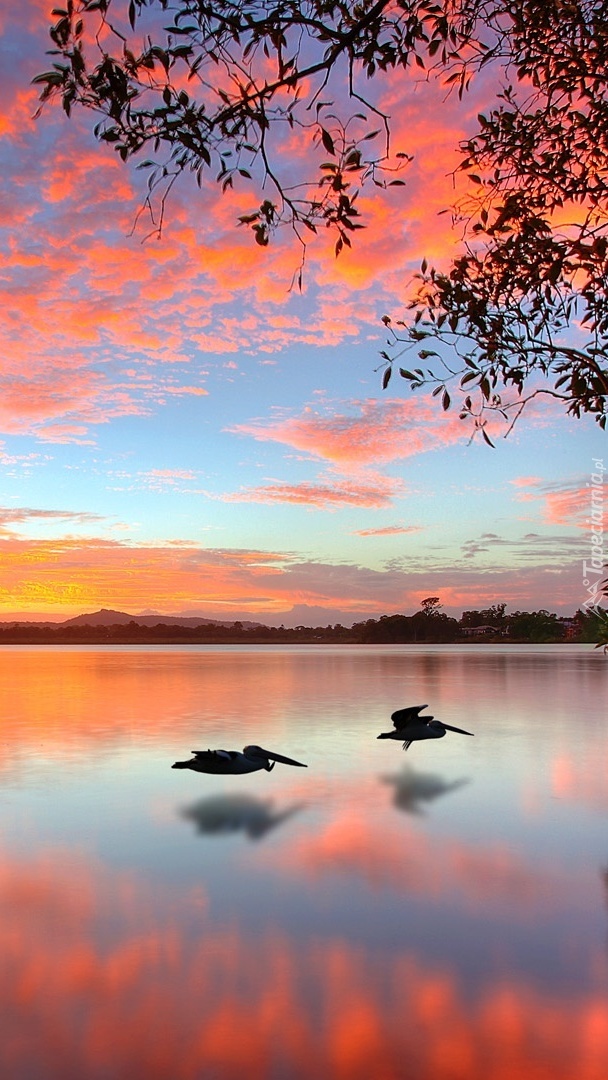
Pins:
x: 139, y: 981
x: 220, y: 815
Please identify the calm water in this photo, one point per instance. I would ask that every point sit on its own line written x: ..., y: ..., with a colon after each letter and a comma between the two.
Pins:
x: 440, y: 914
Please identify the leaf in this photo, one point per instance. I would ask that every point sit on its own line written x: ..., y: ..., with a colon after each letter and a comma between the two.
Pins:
x: 327, y: 141
x: 386, y: 378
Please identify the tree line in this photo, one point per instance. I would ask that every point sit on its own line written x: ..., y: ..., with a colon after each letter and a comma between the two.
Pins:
x: 427, y: 626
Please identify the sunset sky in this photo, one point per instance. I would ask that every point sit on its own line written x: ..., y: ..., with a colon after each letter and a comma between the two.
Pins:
x: 180, y: 433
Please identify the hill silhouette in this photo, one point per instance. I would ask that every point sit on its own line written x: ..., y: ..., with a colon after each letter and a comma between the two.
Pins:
x: 108, y: 617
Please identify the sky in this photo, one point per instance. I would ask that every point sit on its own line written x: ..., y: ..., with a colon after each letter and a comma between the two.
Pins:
x: 183, y: 433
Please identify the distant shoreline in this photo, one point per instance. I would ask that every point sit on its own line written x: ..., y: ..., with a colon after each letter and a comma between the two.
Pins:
x: 429, y: 626
x: 271, y: 636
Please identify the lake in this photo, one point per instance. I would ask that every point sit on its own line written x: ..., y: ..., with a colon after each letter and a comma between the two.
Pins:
x: 435, y: 914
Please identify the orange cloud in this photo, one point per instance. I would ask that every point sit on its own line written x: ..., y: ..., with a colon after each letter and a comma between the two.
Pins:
x: 73, y: 574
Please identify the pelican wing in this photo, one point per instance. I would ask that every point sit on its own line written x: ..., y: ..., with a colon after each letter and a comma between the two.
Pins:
x: 207, y: 755
x: 402, y: 717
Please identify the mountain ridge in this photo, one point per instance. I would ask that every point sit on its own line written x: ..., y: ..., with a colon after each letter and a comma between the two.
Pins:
x: 109, y: 617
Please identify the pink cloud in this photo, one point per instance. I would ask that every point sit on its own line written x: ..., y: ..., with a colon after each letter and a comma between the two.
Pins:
x: 526, y: 481
x: 371, y: 491
x: 562, y: 504
x: 384, y: 431
x: 82, y: 286
x: 10, y: 517
x: 388, y: 530
x: 83, y: 290
x: 191, y: 391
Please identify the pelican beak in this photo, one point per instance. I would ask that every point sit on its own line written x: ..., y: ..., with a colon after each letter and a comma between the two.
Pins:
x: 460, y: 730
x: 284, y: 760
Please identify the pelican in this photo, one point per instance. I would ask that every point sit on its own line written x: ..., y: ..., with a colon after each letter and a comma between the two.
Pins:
x: 252, y: 759
x: 411, y: 727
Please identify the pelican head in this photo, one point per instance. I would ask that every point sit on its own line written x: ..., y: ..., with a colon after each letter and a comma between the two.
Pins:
x: 268, y: 758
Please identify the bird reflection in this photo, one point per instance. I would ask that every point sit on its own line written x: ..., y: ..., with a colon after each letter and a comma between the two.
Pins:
x: 413, y: 789
x: 222, y: 814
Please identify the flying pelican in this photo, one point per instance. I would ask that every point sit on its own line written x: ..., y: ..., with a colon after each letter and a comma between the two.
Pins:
x: 252, y: 759
x: 411, y: 727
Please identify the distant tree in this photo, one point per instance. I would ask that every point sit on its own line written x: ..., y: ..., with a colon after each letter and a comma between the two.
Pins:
x: 211, y: 88
x: 436, y: 627
x: 536, y: 626
x: 471, y: 618
x: 492, y: 616
x: 430, y: 606
x: 407, y: 629
x: 592, y: 625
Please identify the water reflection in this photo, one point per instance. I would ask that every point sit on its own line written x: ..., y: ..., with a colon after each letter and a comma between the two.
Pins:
x: 221, y: 814
x: 462, y: 944
x: 412, y: 789
x: 116, y: 990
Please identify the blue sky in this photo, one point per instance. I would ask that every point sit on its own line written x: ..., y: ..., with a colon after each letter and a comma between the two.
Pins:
x: 180, y: 432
